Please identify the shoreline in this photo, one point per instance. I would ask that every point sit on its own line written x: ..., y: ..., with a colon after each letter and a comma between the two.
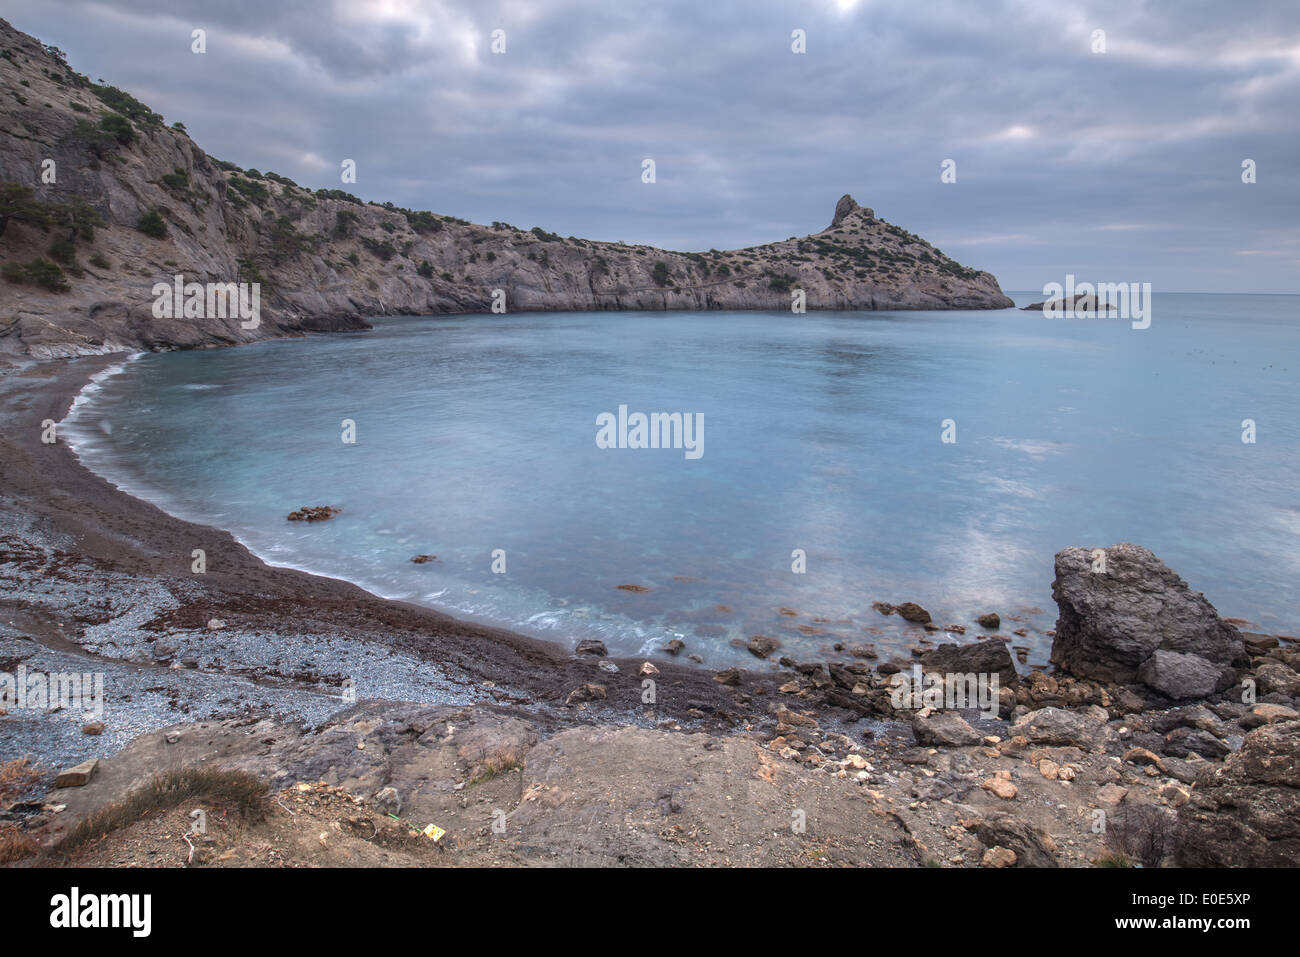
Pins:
x: 243, y: 668
x: 49, y: 500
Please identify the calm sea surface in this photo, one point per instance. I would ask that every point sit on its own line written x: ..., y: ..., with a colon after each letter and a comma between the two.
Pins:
x: 822, y: 433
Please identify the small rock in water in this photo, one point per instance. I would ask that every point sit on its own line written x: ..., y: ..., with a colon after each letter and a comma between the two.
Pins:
x: 314, y: 513
x: 423, y: 559
x: 591, y: 646
x: 911, y: 611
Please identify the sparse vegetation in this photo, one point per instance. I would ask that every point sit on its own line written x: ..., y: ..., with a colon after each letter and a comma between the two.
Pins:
x: 151, y: 223
x: 237, y: 792
x: 38, y: 272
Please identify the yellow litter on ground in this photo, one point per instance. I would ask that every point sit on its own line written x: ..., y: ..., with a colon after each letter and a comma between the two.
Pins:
x: 434, y: 833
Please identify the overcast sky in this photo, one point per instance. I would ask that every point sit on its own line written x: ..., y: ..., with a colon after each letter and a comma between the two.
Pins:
x: 1116, y: 166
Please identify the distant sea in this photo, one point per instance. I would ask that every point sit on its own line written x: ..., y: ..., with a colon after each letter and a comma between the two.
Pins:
x: 823, y: 433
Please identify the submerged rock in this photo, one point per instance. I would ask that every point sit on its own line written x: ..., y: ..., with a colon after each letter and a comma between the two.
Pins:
x: 314, y: 513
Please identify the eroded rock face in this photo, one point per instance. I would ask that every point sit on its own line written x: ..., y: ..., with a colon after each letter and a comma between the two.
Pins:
x: 1247, y: 812
x: 1113, y: 621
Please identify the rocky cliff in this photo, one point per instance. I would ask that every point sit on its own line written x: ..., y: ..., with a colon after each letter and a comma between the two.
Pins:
x: 100, y: 200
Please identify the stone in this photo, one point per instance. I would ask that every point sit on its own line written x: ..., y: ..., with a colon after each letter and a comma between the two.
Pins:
x: 1184, y: 741
x: 93, y: 727
x: 1247, y: 813
x: 730, y: 676
x: 78, y: 776
x: 999, y: 857
x: 584, y: 693
x: 1110, y: 795
x: 761, y: 646
x: 388, y: 801
x: 987, y: 657
x: 314, y: 513
x: 992, y: 621
x: 1111, y: 622
x: 674, y: 646
x: 1054, y: 726
x: 1180, y: 676
x: 1258, y: 644
x: 608, y: 667
x: 1262, y: 714
x: 943, y: 729
x: 1143, y: 756
x: 1032, y: 846
x: 1000, y: 787
x: 911, y: 611
x: 1273, y: 677
x: 591, y: 646
x: 647, y: 670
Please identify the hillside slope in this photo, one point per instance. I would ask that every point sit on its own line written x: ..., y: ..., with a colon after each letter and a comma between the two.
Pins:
x: 135, y: 202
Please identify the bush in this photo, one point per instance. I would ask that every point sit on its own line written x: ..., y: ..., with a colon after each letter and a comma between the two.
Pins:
x: 152, y: 224
x: 660, y: 273
x: 344, y: 220
x: 99, y: 262
x: 63, y: 251
x: 125, y: 104
x: 39, y: 272
x: 253, y: 190
x: 425, y: 269
x: 422, y: 221
x: 119, y: 127
x: 177, y: 179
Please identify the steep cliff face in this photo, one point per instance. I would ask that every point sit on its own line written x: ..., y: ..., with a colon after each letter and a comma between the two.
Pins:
x: 100, y: 201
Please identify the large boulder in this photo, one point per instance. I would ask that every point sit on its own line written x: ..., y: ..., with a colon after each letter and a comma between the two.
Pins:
x: 1121, y: 605
x: 1246, y: 813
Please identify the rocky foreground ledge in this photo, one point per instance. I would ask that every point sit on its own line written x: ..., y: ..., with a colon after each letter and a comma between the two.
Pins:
x: 1163, y: 737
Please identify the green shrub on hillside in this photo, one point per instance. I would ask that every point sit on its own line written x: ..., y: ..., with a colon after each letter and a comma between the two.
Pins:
x: 152, y: 224
x: 40, y: 272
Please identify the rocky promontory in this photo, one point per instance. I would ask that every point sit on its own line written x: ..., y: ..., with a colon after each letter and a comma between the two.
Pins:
x: 134, y: 202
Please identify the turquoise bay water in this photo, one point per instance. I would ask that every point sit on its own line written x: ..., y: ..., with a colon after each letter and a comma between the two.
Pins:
x: 822, y: 433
